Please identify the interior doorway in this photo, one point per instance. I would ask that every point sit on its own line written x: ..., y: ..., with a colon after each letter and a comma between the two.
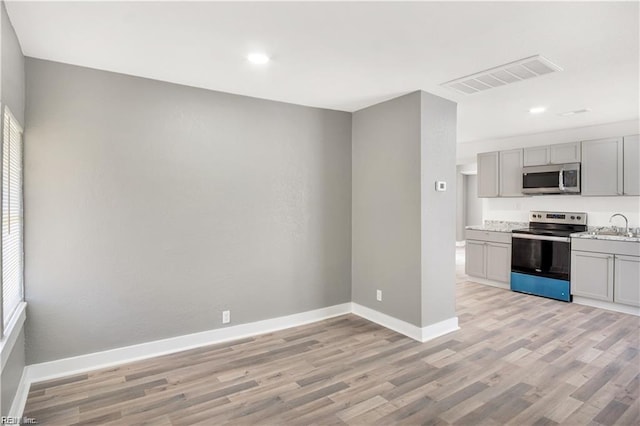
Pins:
x: 469, y: 206
x: 473, y: 204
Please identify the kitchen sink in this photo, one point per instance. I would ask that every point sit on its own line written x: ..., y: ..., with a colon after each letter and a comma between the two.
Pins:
x: 614, y: 233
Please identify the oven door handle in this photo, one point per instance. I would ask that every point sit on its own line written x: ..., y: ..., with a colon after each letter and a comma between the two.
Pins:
x: 541, y: 237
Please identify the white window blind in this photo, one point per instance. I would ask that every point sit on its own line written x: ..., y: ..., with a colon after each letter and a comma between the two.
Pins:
x: 12, y: 254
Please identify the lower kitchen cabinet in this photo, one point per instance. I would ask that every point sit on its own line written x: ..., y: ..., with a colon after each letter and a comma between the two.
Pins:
x: 592, y: 275
x: 627, y: 280
x: 606, y: 270
x: 475, y: 259
x: 498, y: 262
x: 488, y: 255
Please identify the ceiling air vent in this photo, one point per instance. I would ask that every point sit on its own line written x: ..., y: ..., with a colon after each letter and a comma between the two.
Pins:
x: 512, y: 72
x: 578, y: 111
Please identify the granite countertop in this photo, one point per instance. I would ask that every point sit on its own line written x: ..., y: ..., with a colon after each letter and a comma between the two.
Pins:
x: 498, y: 226
x: 590, y: 235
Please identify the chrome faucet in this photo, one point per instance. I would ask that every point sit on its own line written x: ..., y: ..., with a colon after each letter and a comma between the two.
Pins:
x: 626, y: 222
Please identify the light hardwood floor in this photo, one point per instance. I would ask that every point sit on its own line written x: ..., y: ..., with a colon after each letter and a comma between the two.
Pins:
x: 517, y: 360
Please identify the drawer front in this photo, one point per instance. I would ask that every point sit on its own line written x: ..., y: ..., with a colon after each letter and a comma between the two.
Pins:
x: 490, y: 236
x: 628, y: 248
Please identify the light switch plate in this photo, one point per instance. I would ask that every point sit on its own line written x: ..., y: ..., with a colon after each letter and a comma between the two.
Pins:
x: 441, y: 186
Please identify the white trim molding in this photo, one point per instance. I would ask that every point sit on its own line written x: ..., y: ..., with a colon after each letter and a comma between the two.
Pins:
x: 13, y: 330
x: 95, y: 361
x: 616, y: 307
x: 98, y: 360
x: 20, y: 398
x: 387, y: 321
x: 416, y: 333
x: 431, y: 331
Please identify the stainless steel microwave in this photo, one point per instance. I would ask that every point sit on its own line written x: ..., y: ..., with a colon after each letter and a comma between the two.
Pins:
x: 551, y: 179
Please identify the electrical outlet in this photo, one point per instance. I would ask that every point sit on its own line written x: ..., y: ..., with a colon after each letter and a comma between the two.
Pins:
x: 379, y: 295
x: 226, y: 317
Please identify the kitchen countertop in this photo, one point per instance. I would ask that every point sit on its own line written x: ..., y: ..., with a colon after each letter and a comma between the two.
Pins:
x: 590, y: 236
x: 498, y: 226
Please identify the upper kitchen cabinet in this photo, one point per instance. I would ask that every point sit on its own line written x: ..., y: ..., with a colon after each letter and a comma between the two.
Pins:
x: 602, y: 167
x: 510, y: 176
x: 536, y: 156
x: 631, y: 149
x: 553, y: 154
x: 488, y: 174
x: 565, y: 153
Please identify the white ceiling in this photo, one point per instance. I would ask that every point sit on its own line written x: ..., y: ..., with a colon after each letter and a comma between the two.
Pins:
x: 347, y: 56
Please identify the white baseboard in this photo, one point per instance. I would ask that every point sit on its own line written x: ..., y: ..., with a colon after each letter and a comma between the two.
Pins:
x: 438, y: 329
x: 416, y: 333
x: 625, y: 309
x: 387, y: 321
x: 98, y: 360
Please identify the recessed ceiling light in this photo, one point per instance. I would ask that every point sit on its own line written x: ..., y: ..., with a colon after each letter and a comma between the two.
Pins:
x: 257, y: 58
x: 537, y: 110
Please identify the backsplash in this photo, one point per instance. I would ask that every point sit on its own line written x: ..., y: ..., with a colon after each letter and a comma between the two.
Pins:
x: 598, y: 209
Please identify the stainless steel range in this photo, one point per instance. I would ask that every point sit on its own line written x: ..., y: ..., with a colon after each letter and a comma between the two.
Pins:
x: 541, y: 254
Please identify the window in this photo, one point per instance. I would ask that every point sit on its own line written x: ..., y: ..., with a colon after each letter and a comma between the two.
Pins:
x: 12, y: 253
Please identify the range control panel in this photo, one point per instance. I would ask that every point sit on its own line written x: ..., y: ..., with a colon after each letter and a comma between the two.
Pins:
x: 571, y: 218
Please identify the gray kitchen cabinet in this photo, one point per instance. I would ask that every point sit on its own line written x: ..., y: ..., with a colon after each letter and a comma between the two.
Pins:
x: 552, y: 154
x: 606, y: 270
x: 498, y: 262
x: 592, y: 275
x: 488, y: 255
x: 536, y: 156
x: 565, y: 153
x: 510, y: 173
x: 627, y: 280
x: 602, y: 167
x: 475, y: 259
x: 631, y: 155
x: 488, y: 174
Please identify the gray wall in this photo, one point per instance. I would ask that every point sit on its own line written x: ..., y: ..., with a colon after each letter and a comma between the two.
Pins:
x: 151, y: 207
x: 403, y: 230
x: 12, y: 94
x: 386, y: 207
x: 438, y: 163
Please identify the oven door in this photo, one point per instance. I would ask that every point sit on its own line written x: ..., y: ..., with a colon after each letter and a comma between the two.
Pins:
x: 541, y: 255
